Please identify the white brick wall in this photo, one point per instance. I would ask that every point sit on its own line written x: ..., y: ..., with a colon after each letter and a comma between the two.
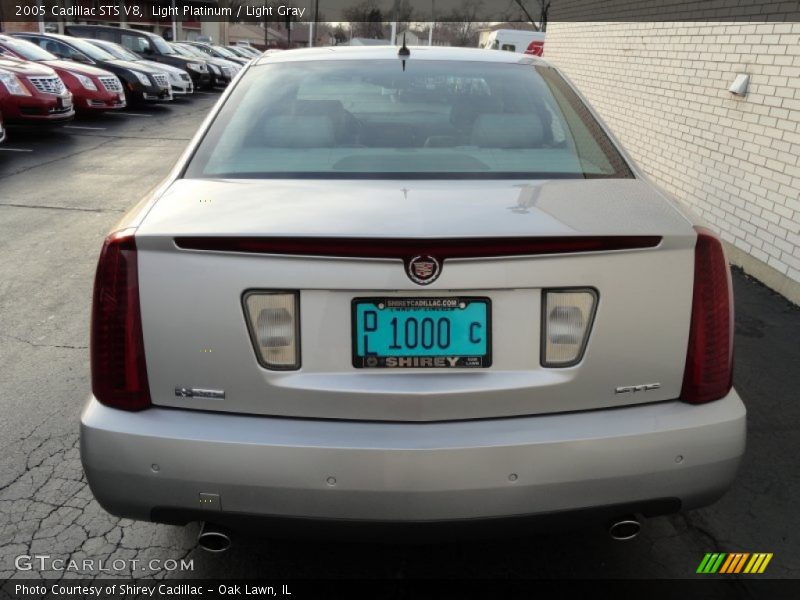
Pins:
x: 662, y: 88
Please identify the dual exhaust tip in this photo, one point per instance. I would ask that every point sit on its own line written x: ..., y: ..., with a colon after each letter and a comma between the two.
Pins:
x: 624, y: 529
x: 213, y: 538
x: 216, y: 539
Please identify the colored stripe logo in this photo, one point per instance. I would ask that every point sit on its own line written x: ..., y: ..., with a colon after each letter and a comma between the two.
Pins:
x: 734, y: 563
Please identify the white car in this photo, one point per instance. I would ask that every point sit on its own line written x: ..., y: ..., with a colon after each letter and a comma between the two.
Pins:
x: 423, y: 285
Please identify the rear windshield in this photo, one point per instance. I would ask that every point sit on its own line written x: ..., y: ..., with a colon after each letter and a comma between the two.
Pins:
x: 424, y: 119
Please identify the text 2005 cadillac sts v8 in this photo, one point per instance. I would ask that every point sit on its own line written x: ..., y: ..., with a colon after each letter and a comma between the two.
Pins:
x: 424, y: 286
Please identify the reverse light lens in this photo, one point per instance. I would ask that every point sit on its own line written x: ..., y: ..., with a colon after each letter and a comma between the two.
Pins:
x: 119, y: 371
x: 709, y: 359
x: 273, y: 319
x: 13, y: 84
x: 567, y: 317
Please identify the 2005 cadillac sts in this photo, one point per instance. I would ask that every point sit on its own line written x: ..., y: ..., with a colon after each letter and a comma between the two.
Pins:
x: 423, y: 285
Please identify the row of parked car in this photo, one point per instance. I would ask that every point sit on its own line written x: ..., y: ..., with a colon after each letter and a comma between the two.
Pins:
x: 47, y: 78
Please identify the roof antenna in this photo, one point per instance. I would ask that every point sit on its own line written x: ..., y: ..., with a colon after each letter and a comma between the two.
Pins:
x: 404, y: 52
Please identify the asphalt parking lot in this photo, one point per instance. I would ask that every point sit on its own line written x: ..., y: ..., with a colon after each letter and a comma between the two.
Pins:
x: 59, y: 194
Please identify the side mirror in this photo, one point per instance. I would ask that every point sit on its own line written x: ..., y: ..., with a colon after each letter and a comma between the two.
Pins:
x: 81, y: 59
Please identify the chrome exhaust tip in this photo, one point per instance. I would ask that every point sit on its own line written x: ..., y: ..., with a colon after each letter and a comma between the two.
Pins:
x: 213, y: 538
x: 624, y: 529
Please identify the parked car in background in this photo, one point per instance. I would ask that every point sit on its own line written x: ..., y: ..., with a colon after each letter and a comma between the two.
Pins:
x: 147, y: 45
x: 32, y: 94
x: 244, y: 52
x: 141, y: 83
x: 517, y: 40
x: 217, y: 51
x: 255, y: 51
x: 222, y: 71
x: 179, y: 80
x: 437, y: 290
x: 93, y: 89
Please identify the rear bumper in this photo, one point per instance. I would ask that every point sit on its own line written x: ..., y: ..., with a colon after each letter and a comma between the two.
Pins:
x: 153, y: 465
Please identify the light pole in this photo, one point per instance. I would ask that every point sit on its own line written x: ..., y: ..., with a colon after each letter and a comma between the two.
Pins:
x: 433, y: 22
x: 41, y: 17
x: 393, y: 35
x: 174, y: 23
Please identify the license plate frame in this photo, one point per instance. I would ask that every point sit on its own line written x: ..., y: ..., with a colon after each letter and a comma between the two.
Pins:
x: 64, y: 103
x: 422, y: 361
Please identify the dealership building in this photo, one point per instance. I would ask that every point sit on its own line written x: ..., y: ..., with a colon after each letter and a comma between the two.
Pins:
x: 664, y: 88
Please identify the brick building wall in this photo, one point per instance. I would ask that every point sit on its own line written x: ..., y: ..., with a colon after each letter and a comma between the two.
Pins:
x: 663, y: 89
x: 12, y: 26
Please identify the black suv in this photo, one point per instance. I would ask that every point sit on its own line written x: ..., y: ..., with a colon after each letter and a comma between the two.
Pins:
x: 147, y: 45
x: 141, y: 83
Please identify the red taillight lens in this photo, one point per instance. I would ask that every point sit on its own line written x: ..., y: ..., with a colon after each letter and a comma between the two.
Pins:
x: 119, y: 372
x: 709, y: 360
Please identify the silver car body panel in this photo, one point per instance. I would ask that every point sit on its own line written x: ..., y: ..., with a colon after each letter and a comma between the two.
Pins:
x: 635, y: 338
x: 136, y: 462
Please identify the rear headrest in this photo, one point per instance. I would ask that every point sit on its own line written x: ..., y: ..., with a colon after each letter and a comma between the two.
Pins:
x: 308, y: 131
x: 508, y: 131
x: 466, y: 109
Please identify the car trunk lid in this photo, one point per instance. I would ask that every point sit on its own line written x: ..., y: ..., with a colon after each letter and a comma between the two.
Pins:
x: 196, y: 335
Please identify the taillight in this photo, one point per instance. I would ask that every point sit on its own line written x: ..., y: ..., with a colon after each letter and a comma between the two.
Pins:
x: 709, y: 361
x: 119, y: 372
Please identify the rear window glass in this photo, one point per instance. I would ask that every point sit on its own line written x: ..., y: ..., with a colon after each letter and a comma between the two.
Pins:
x: 376, y: 119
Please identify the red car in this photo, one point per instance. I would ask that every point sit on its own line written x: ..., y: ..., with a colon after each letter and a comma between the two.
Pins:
x: 92, y: 89
x: 31, y: 94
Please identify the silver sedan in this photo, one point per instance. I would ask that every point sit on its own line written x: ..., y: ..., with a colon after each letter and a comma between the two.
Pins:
x: 409, y: 285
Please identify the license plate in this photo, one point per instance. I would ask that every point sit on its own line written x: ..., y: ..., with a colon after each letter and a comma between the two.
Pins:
x: 65, y: 102
x: 419, y: 333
